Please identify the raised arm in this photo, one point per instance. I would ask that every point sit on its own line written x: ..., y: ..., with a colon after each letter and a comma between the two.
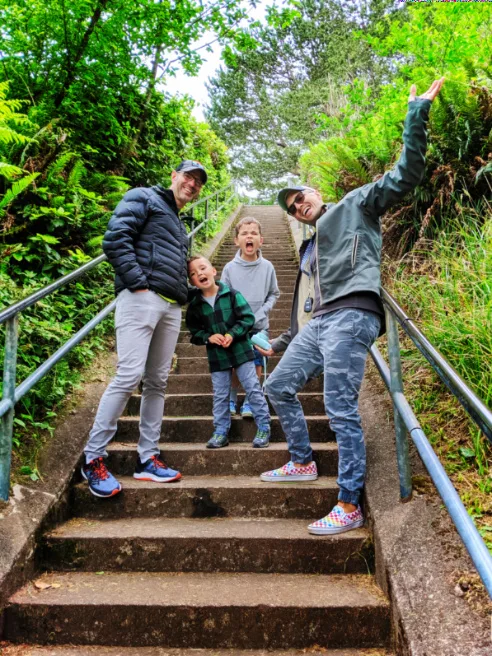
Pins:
x: 408, y: 171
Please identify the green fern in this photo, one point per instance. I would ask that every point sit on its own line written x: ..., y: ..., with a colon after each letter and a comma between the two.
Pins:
x: 16, y: 189
x: 9, y: 171
x: 58, y: 166
x: 76, y: 174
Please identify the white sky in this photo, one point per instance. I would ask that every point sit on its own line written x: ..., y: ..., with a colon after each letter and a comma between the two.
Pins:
x: 182, y: 84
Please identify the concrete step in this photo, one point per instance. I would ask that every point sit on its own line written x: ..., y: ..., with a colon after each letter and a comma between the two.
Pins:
x: 85, y: 650
x: 210, y: 496
x: 199, y: 429
x: 189, y: 364
x: 280, y: 267
x: 278, y: 259
x: 185, y: 383
x: 181, y: 405
x: 201, y: 610
x: 202, y: 545
x: 185, y: 336
x: 234, y: 460
x: 192, y: 351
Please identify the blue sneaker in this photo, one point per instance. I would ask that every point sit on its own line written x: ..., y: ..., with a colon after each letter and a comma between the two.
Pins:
x: 101, y: 481
x: 232, y: 407
x: 262, y: 438
x: 155, y: 470
x: 217, y: 441
x: 246, y: 411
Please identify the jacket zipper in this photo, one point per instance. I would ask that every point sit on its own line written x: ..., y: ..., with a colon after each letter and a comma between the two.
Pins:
x: 354, y: 249
x: 317, y: 271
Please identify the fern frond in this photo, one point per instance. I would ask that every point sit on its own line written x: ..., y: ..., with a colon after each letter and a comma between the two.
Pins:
x: 59, y: 165
x: 9, y: 171
x: 8, y: 136
x: 76, y: 175
x: 16, y: 189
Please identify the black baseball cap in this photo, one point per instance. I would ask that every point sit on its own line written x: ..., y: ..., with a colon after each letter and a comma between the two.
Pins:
x: 283, y: 193
x: 192, y: 165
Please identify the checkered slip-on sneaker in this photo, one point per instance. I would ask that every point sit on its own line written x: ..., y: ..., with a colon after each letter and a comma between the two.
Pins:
x: 290, y: 474
x: 337, y: 521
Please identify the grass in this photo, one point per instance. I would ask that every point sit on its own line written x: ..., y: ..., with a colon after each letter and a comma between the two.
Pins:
x: 447, y: 289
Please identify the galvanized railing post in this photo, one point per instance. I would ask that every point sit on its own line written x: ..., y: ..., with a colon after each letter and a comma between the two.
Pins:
x: 7, y: 421
x: 396, y: 386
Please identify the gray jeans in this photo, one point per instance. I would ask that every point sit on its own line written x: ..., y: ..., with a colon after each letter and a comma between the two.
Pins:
x: 147, y: 329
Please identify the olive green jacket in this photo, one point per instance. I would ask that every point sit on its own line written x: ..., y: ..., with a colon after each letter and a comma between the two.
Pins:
x: 348, y: 243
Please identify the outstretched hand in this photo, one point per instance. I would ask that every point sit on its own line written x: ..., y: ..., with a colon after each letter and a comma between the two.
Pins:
x: 431, y: 92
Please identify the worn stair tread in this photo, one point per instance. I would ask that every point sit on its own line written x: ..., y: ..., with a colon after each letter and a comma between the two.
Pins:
x: 97, y: 650
x: 223, y: 482
x: 214, y: 528
x: 202, y: 589
x: 281, y: 447
x: 136, y: 418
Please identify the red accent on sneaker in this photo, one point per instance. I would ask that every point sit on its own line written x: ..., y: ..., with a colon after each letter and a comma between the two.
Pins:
x: 99, y: 469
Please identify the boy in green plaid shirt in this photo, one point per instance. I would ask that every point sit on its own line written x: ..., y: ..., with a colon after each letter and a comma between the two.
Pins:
x: 220, y: 318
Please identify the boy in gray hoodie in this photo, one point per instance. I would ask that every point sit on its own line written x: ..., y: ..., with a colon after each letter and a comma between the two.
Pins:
x: 254, y: 277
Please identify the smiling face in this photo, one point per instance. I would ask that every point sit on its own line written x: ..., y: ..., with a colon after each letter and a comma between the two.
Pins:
x: 186, y: 186
x: 305, y: 206
x: 202, y: 274
x: 249, y: 240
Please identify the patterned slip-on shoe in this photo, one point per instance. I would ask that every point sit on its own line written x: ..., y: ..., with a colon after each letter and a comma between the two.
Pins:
x: 337, y: 521
x: 291, y: 474
x: 217, y: 441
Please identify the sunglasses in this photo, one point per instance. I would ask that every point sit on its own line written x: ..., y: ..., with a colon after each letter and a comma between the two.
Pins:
x: 196, y: 178
x: 298, y: 199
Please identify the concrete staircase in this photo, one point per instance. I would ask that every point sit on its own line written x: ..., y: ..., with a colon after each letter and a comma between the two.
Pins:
x: 219, y: 560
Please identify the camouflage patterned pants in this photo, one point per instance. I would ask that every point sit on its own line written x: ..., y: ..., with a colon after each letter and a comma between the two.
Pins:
x: 336, y: 344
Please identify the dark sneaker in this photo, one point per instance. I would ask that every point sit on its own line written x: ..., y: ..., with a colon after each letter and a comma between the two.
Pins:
x: 101, y: 481
x: 232, y: 407
x: 246, y: 411
x: 155, y: 470
x: 262, y: 438
x: 217, y: 441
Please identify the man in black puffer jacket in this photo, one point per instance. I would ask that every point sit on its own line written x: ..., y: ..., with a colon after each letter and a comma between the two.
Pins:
x: 147, y: 244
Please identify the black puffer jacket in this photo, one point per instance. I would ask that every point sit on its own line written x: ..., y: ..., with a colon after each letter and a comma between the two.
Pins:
x: 147, y: 243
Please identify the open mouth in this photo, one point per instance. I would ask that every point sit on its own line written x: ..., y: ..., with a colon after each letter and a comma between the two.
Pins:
x: 203, y: 280
x: 306, y: 211
x: 250, y: 245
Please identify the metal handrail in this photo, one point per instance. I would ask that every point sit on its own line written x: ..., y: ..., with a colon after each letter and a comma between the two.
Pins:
x: 10, y: 316
x: 475, y: 407
x: 405, y: 420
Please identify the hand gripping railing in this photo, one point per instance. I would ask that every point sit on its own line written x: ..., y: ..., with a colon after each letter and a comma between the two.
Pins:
x: 10, y: 316
x: 405, y: 420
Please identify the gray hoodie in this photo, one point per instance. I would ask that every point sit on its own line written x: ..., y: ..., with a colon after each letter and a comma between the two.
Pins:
x: 257, y: 282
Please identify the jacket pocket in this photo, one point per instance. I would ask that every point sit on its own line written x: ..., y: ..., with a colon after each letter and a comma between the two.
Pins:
x: 355, y: 246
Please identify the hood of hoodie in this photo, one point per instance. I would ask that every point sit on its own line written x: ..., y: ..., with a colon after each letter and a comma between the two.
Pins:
x: 239, y: 260
x: 253, y: 280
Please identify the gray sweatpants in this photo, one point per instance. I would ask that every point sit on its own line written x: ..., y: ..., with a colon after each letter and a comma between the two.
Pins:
x: 147, y: 329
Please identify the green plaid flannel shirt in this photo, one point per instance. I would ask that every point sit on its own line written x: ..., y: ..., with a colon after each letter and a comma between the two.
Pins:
x: 230, y: 314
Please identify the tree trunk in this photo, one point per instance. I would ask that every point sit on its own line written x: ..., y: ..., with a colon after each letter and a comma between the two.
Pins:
x: 96, y: 16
